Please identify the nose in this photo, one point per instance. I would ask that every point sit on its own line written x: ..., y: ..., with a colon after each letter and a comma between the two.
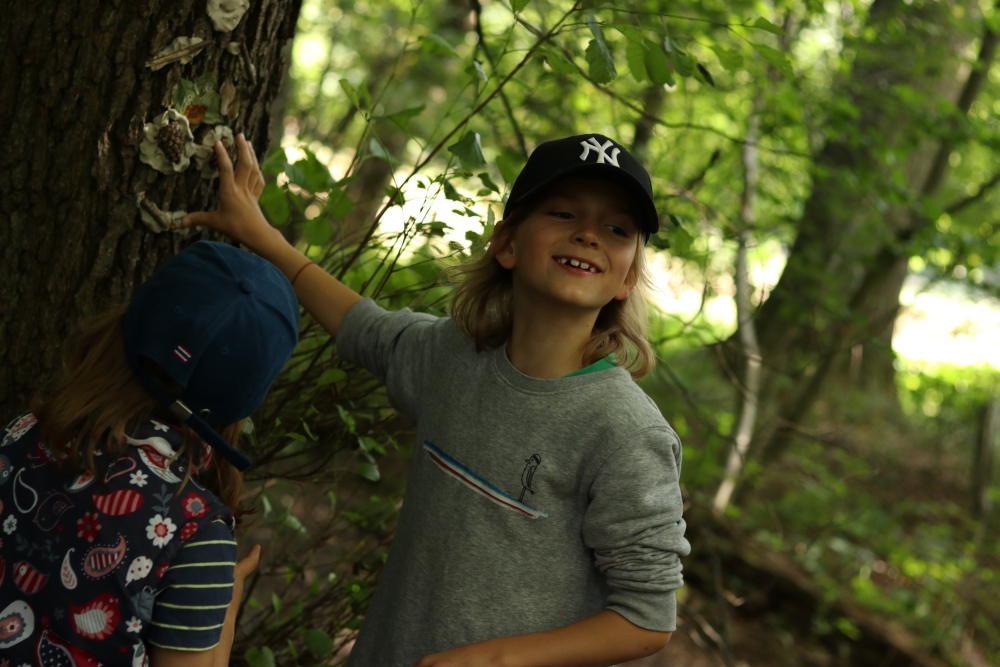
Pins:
x: 587, y: 233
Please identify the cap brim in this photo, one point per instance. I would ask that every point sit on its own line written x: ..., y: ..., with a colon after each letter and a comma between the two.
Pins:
x: 239, y: 460
x: 650, y: 220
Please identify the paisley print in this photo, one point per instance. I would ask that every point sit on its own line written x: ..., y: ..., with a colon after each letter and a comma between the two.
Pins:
x: 66, y: 573
x: 25, y: 497
x: 54, y: 652
x: 97, y: 619
x: 118, y: 503
x: 139, y: 569
x: 52, y: 509
x: 81, y: 482
x: 17, y: 622
x: 101, y: 560
x: 18, y: 428
x: 5, y: 469
x: 28, y: 578
x: 157, y: 463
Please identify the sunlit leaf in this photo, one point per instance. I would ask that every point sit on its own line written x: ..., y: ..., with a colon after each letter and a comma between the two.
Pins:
x: 763, y: 24
x: 437, y: 44
x: 401, y: 119
x: 488, y: 182
x: 351, y: 93
x: 339, y: 205
x: 728, y: 58
x: 480, y: 72
x: 631, y: 33
x: 275, y: 204
x: 705, y: 74
x: 777, y: 59
x: 469, y: 150
x: 274, y: 163
x: 598, y: 55
x: 558, y: 62
x: 518, y: 5
x: 330, y: 376
x: 684, y: 63
x: 508, y: 171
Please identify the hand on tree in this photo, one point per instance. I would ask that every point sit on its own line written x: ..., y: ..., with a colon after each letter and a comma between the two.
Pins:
x: 238, y: 215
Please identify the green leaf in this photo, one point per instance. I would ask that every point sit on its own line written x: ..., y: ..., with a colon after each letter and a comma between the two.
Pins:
x: 706, y: 76
x: 763, y: 24
x: 508, y: 172
x: 728, y: 58
x: 347, y: 418
x: 184, y: 93
x: 684, y: 63
x: 632, y: 34
x: 469, y: 150
x: 369, y: 471
x: 777, y: 59
x: 311, y: 174
x: 339, y: 205
x: 379, y: 151
x: 558, y: 62
x: 657, y: 66
x: 365, y: 95
x: 676, y: 219
x: 437, y: 44
x: 401, y: 119
x: 635, y: 56
x: 259, y: 657
x: 275, y: 163
x: 275, y: 205
x: 449, y: 191
x: 318, y: 642
x: 659, y: 241
x: 352, y: 94
x: 330, y: 376
x: 518, y: 5
x: 266, y: 504
x: 601, y: 62
x: 480, y: 72
x: 488, y: 182
x: 681, y: 241
x: 598, y: 56
x: 292, y: 521
x: 317, y: 231
x: 276, y: 603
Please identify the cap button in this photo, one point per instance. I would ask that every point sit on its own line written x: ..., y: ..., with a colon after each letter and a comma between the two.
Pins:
x: 246, y: 286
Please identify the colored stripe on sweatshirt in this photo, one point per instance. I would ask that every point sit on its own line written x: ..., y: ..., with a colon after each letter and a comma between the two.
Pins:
x: 477, y: 483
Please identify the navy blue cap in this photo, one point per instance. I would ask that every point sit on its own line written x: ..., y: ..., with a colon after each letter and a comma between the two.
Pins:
x: 587, y: 155
x: 220, y: 322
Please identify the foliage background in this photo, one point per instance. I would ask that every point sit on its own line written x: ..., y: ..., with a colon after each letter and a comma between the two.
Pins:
x: 404, y: 126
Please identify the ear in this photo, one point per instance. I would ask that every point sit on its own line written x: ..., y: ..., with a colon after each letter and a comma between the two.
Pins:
x: 630, y: 281
x: 503, y: 242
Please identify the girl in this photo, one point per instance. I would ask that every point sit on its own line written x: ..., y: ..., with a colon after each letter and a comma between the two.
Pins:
x: 542, y: 518
x: 120, y: 489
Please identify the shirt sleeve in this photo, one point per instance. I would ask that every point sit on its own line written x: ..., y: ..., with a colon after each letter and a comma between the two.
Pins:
x: 195, y: 592
x: 394, y: 346
x: 633, y: 523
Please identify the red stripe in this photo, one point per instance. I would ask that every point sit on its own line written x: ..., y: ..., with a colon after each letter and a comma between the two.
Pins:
x: 444, y: 466
x: 182, y: 349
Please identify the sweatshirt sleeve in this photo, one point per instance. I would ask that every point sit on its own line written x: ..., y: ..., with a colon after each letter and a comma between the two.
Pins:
x: 394, y: 345
x: 633, y: 523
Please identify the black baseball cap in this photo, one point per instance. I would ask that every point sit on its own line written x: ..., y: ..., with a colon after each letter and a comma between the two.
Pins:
x: 589, y: 155
x: 221, y: 323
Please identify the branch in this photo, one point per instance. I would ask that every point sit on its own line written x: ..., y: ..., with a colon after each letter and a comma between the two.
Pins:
x: 983, y: 190
x: 477, y: 10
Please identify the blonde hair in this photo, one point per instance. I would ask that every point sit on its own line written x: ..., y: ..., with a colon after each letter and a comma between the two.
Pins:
x: 95, y: 397
x: 481, y: 305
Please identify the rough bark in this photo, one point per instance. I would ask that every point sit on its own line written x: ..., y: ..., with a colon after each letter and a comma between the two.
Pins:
x: 74, y: 95
x: 984, y: 459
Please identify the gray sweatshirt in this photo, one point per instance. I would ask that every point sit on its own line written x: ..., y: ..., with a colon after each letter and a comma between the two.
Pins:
x: 530, y: 504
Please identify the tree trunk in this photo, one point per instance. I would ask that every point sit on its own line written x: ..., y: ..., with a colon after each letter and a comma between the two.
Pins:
x: 839, y: 289
x: 74, y: 96
x: 984, y: 459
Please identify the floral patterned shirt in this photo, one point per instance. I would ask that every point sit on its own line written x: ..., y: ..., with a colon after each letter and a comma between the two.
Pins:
x: 94, y: 566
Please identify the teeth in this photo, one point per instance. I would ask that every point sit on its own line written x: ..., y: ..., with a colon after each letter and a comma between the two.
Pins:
x: 584, y: 265
x: 563, y: 260
x: 574, y: 262
x: 593, y: 270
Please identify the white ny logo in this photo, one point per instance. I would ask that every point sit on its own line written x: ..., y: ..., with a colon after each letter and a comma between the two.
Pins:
x: 592, y: 143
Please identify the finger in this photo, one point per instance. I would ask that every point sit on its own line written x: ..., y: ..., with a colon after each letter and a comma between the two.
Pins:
x: 253, y: 156
x: 248, y: 564
x: 198, y: 218
x: 245, y: 167
x: 225, y: 165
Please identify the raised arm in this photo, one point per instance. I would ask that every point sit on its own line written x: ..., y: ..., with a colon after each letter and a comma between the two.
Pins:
x: 239, y: 216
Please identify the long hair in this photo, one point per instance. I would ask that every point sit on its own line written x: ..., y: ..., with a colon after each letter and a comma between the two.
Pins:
x: 90, y: 403
x: 481, y: 305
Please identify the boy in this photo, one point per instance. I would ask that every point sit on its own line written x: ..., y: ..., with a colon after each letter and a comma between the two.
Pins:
x: 542, y: 518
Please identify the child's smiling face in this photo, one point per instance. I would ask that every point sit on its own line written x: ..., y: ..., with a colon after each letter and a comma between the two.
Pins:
x: 577, y: 245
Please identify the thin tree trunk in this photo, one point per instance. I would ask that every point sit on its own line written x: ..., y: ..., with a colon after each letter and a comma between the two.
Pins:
x: 984, y: 459
x: 74, y: 96
x: 747, y: 330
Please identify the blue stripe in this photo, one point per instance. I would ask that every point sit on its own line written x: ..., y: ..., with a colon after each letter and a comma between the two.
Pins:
x: 452, y: 462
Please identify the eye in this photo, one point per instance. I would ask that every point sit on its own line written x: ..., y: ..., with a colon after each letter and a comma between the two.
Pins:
x: 562, y: 215
x: 618, y: 231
